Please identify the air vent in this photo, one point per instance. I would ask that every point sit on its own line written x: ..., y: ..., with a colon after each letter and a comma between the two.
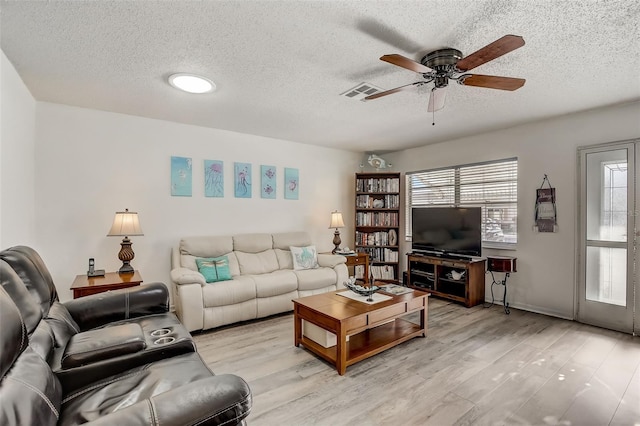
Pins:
x: 361, y: 91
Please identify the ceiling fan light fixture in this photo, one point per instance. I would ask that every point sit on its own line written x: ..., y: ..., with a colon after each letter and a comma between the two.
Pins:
x: 191, y: 83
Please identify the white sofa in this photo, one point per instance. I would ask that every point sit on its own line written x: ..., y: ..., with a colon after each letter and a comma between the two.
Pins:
x: 263, y: 279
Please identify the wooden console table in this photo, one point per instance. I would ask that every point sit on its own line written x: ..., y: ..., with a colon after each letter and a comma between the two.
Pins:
x: 371, y: 328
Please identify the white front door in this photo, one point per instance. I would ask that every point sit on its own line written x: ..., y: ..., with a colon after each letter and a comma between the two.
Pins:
x: 608, y: 284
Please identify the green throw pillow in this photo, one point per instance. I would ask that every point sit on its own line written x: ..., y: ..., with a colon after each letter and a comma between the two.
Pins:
x: 214, y: 269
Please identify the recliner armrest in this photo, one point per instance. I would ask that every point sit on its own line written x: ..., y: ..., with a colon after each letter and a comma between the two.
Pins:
x: 103, y: 343
x: 224, y: 399
x: 102, y: 308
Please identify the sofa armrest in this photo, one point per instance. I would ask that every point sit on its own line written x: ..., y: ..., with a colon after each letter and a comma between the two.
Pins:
x: 102, y: 308
x: 224, y: 399
x: 330, y: 260
x: 187, y: 276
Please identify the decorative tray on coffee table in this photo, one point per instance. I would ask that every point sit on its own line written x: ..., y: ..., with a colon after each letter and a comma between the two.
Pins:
x: 361, y: 290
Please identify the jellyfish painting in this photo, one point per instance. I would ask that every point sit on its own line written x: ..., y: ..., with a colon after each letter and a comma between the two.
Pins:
x: 213, y: 178
x: 292, y: 183
x: 181, y: 176
x: 242, y: 180
x: 268, y: 182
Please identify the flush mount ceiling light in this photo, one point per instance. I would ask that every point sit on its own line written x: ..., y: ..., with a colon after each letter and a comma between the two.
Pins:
x: 191, y: 83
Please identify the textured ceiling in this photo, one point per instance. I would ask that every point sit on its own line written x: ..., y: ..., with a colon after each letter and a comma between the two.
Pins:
x: 281, y: 65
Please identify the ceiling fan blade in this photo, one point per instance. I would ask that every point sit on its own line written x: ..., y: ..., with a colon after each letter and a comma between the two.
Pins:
x: 491, y: 81
x: 406, y: 63
x: 437, y: 98
x: 490, y: 52
x: 391, y: 91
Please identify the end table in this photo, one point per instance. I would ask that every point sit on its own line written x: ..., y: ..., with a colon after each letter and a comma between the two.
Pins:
x: 358, y: 258
x: 84, y: 285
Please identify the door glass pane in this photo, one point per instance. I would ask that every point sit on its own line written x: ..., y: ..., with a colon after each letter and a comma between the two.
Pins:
x: 607, y: 196
x: 606, y: 273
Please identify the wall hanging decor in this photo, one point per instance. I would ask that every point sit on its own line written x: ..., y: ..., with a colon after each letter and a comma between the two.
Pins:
x: 213, y: 178
x: 546, y: 216
x: 242, y: 176
x: 291, y: 183
x: 268, y: 182
x: 181, y: 176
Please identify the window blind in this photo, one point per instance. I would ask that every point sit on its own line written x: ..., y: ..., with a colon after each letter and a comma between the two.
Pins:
x: 491, y: 185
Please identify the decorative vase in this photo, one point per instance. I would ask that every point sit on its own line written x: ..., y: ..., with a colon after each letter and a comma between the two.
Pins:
x: 393, y: 237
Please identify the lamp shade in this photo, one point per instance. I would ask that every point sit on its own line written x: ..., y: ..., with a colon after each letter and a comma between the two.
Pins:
x: 124, y: 224
x: 336, y: 220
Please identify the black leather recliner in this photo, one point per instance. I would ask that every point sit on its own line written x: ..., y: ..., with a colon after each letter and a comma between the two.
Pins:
x: 99, y: 335
x: 178, y: 390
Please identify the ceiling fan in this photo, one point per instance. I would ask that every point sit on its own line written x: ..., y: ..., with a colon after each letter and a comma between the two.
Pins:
x: 443, y: 65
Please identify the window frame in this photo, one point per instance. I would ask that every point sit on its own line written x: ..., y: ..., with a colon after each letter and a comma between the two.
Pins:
x: 511, y: 204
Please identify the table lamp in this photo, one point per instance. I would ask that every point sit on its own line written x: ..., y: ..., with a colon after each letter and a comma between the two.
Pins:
x: 124, y: 224
x: 336, y: 222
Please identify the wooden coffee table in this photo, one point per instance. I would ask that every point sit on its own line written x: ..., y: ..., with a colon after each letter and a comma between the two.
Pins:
x: 372, y: 328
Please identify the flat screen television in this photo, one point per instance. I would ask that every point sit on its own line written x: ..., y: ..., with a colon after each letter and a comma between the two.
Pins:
x: 447, y: 230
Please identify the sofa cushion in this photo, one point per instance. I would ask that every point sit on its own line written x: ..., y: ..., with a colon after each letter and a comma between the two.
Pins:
x: 275, y: 283
x: 34, y: 274
x: 214, y: 269
x: 311, y: 279
x: 285, y: 259
x: 285, y: 239
x: 29, y: 310
x: 257, y: 263
x: 127, y: 388
x: 237, y: 290
x: 304, y: 257
x: 252, y: 243
x: 206, y: 246
x: 30, y: 394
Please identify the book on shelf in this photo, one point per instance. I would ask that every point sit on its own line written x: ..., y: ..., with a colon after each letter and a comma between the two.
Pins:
x: 381, y: 254
x: 382, y: 272
x: 388, y: 201
x: 377, y: 219
x: 378, y: 185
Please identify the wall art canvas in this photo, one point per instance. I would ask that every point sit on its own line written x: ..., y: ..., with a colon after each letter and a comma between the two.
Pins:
x: 291, y: 183
x: 242, y: 180
x: 268, y: 182
x: 213, y: 178
x: 181, y: 176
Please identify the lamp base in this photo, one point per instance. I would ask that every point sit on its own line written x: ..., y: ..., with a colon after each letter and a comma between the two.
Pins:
x: 126, y: 255
x: 336, y: 241
x: 126, y: 268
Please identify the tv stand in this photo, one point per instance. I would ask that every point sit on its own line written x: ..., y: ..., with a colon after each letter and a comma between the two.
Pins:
x: 437, y: 275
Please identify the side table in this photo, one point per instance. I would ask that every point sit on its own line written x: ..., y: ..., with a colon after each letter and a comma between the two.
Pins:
x: 84, y: 285
x: 358, y: 258
x: 507, y: 265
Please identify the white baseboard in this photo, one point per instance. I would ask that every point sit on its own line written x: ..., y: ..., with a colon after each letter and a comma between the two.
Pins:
x: 537, y: 310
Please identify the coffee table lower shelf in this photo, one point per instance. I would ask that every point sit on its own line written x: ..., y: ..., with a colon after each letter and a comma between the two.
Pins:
x: 368, y: 342
x: 360, y: 330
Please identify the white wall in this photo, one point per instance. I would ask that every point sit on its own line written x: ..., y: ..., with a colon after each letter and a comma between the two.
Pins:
x: 90, y: 164
x: 545, y: 280
x: 17, y: 141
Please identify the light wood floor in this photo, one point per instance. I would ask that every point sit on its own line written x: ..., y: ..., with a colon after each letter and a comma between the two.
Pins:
x: 476, y: 367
